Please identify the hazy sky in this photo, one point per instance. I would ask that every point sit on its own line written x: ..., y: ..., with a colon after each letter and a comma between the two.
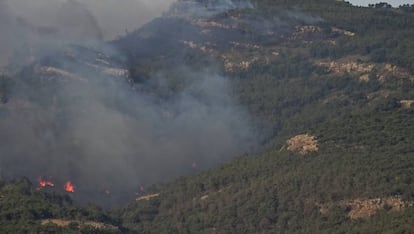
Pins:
x: 113, y: 16
x: 395, y: 3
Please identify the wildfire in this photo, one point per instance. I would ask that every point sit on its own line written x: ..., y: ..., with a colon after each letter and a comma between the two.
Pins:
x: 69, y: 187
x: 43, y: 183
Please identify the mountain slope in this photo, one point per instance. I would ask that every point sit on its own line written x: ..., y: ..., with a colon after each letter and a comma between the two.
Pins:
x: 328, y: 87
x: 285, y: 60
x: 26, y: 209
x: 320, y: 67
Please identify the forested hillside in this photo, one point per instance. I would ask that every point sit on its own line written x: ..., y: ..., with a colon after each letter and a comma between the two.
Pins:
x: 328, y: 89
x: 340, y: 73
x: 26, y: 208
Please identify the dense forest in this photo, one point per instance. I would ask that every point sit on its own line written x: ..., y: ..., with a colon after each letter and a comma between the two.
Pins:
x: 339, y: 78
x: 327, y: 68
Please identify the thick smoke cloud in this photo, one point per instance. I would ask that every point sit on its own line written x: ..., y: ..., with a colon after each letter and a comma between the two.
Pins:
x: 67, y: 119
x: 103, y: 135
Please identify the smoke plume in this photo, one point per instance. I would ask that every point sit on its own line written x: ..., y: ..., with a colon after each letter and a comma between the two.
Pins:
x: 72, y: 114
x: 42, y: 23
x: 101, y: 134
x: 189, y: 8
x: 114, y: 17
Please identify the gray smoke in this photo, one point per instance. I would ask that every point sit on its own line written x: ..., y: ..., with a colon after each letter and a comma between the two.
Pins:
x: 72, y: 114
x: 25, y: 38
x: 304, y: 18
x: 99, y: 132
x: 8, y: 32
x: 189, y: 8
x: 113, y: 16
x: 28, y: 25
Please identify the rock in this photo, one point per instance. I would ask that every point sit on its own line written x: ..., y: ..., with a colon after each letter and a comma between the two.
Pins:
x: 303, y: 144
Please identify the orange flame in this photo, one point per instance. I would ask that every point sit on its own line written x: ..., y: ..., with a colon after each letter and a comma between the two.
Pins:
x: 69, y: 187
x: 43, y: 183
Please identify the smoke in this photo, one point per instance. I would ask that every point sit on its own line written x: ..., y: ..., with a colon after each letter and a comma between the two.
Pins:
x: 7, y: 25
x: 188, y: 8
x: 304, y: 18
x: 68, y: 120
x: 114, y: 17
x: 72, y: 114
x: 28, y: 26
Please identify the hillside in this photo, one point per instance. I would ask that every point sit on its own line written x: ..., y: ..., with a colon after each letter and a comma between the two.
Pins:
x: 340, y: 73
x: 285, y: 60
x: 317, y: 96
x: 28, y: 209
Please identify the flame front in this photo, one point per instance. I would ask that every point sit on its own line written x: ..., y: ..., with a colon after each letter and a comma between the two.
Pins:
x: 43, y: 183
x: 69, y: 187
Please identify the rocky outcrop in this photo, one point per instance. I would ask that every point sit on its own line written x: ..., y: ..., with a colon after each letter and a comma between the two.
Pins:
x: 407, y: 103
x: 231, y: 64
x: 342, y: 67
x: 303, y: 144
x: 93, y: 224
x: 147, y: 197
x: 364, y: 208
x: 365, y: 70
x: 343, y: 32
